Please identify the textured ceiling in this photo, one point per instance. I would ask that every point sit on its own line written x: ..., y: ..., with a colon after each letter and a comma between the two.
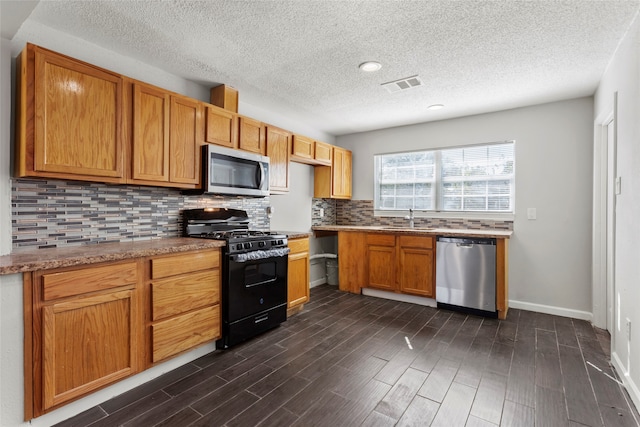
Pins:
x: 300, y: 57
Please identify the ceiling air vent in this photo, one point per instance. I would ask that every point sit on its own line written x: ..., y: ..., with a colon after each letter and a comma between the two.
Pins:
x: 403, y: 84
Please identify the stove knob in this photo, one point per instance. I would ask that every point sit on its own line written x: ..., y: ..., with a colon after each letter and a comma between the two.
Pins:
x: 280, y: 242
x: 247, y: 245
x: 261, y: 244
x: 239, y: 247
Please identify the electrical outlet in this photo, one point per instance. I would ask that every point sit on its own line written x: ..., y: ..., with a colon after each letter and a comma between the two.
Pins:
x: 628, y: 329
x: 321, y: 212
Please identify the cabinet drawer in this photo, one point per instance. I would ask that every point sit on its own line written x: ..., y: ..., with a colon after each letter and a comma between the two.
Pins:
x: 181, y: 333
x: 417, y: 242
x: 184, y: 263
x: 381, y: 239
x: 88, y: 279
x: 299, y: 245
x: 185, y: 293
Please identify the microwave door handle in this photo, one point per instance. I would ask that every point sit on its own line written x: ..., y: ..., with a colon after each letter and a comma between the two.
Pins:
x: 260, y: 174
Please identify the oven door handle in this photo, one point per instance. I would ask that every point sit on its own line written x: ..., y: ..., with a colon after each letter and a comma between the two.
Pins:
x: 259, y: 255
x: 264, y: 282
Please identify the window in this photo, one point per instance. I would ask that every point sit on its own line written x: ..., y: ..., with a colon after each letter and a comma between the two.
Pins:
x: 477, y: 178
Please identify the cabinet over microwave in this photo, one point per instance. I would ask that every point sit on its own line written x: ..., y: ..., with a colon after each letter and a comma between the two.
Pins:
x: 234, y: 172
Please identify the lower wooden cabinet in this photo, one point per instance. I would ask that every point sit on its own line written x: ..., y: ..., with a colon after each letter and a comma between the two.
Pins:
x: 86, y: 332
x: 401, y: 264
x: 94, y: 325
x: 184, y: 301
x: 298, y: 275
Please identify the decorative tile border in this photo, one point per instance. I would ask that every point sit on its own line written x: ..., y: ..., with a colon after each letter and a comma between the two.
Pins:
x: 47, y: 213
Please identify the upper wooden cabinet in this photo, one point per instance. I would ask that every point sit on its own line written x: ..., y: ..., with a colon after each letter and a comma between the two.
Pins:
x: 167, y: 135
x: 69, y: 119
x: 222, y: 127
x: 251, y: 135
x: 334, y: 181
x: 323, y: 153
x: 278, y: 148
x: 306, y: 150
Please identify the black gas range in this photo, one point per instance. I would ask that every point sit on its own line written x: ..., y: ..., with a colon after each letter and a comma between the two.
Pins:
x: 254, y: 271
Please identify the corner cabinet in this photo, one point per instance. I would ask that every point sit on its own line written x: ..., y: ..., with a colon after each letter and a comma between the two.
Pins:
x: 278, y: 148
x: 86, y: 324
x: 298, y: 274
x: 69, y: 119
x: 334, y: 181
x: 167, y: 135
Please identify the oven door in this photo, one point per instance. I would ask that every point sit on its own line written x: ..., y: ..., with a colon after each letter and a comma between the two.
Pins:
x: 255, y: 286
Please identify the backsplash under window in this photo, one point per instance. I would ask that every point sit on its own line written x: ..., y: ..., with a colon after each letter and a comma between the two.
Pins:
x: 48, y: 213
x: 361, y: 212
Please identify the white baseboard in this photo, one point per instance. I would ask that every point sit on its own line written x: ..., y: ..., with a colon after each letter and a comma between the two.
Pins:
x: 317, y: 282
x: 549, y: 309
x: 629, y: 384
x: 399, y: 297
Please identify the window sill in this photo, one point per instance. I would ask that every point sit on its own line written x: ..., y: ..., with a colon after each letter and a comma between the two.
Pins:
x: 493, y: 216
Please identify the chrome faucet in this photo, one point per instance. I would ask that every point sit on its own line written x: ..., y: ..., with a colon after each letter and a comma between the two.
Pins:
x: 410, y: 217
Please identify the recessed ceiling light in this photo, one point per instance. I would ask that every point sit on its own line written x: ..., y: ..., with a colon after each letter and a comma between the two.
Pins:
x: 370, y: 66
x: 435, y: 107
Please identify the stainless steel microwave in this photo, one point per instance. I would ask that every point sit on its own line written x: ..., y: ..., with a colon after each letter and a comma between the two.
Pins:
x: 234, y: 172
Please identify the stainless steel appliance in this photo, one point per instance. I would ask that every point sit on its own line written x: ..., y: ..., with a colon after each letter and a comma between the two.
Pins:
x: 466, y: 274
x: 234, y: 172
x: 254, y: 272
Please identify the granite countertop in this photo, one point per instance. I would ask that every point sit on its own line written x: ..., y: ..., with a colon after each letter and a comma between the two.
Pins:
x: 23, y: 260
x: 448, y: 232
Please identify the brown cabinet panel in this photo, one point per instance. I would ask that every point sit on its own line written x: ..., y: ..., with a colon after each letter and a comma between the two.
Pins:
x: 278, y: 147
x: 302, y: 148
x: 352, y: 254
x: 417, y: 271
x: 381, y: 256
x: 81, y: 281
x: 172, y: 265
x: 298, y: 273
x: 184, y: 293
x: 87, y: 343
x: 334, y: 181
x: 69, y: 119
x: 251, y: 135
x: 185, y: 140
x: 323, y: 153
x: 184, y: 332
x: 222, y: 127
x: 150, y: 150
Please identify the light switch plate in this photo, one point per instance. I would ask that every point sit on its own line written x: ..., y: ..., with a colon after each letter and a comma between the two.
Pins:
x: 531, y: 213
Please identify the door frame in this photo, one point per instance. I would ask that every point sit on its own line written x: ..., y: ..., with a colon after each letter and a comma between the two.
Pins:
x: 600, y: 236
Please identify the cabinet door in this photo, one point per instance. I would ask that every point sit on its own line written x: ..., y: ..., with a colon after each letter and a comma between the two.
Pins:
x: 222, y: 127
x: 323, y: 153
x: 88, y: 343
x: 78, y: 119
x: 278, y: 146
x: 302, y: 148
x: 185, y: 140
x: 251, y: 135
x: 416, y: 265
x: 381, y: 254
x: 150, y: 150
x: 341, y: 170
x: 298, y: 274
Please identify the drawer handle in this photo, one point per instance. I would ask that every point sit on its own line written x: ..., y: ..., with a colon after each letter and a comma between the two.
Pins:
x: 261, y: 319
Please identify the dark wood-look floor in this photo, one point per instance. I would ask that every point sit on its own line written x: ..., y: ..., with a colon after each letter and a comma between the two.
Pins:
x: 350, y: 360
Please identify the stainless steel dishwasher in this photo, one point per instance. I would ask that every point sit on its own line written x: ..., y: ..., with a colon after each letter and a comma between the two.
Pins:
x: 466, y: 275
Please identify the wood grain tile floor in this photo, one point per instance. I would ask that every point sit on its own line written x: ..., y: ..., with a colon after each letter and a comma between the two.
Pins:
x: 350, y: 360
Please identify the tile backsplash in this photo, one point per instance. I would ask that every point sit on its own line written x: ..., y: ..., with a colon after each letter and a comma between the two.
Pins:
x: 361, y: 212
x: 48, y: 213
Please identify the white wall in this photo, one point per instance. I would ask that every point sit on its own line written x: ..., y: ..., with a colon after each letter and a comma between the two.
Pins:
x: 623, y: 76
x: 550, y: 257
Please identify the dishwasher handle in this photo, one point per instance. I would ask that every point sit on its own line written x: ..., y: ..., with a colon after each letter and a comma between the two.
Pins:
x: 464, y: 242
